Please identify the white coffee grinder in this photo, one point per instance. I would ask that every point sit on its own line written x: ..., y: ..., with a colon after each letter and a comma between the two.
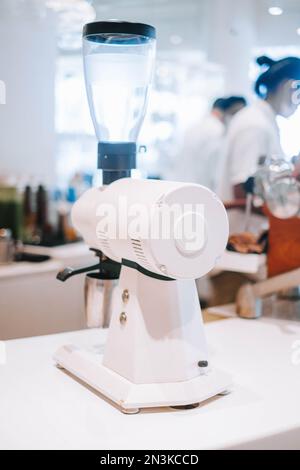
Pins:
x: 159, y: 235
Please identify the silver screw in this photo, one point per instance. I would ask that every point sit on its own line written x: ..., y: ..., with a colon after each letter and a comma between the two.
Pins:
x: 125, y: 296
x: 123, y: 318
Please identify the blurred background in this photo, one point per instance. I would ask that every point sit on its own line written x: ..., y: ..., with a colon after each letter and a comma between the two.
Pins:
x: 206, y: 49
x: 48, y: 150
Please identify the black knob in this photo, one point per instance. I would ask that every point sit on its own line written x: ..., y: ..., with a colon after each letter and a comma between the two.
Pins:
x: 203, y: 364
x: 66, y: 273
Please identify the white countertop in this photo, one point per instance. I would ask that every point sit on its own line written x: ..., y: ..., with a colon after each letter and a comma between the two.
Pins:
x: 43, y: 407
x: 71, y: 250
x: 241, y: 263
x: 26, y: 269
x: 60, y: 255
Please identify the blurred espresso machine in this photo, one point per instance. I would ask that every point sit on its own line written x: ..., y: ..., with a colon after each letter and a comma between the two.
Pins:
x: 276, y: 189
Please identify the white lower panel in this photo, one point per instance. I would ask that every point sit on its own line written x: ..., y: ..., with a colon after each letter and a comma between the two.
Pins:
x: 88, y: 367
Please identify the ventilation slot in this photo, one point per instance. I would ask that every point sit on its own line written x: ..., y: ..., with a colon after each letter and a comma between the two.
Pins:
x: 139, y: 252
x: 102, y: 237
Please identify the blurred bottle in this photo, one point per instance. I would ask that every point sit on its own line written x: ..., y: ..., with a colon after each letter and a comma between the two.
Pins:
x: 65, y: 232
x: 43, y: 229
x: 11, y: 211
x: 29, y: 215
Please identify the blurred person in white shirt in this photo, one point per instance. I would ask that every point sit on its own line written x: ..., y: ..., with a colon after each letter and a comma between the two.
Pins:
x: 254, y: 133
x: 204, y: 142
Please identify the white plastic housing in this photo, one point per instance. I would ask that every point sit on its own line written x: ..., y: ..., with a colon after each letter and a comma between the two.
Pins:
x: 133, y: 207
x: 153, y: 356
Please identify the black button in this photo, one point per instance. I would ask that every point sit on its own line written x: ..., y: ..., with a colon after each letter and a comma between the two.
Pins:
x: 202, y: 364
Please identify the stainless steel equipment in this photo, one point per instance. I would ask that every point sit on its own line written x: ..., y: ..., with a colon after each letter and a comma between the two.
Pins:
x: 98, y: 294
x: 276, y: 185
x: 7, y: 247
x: 100, y: 282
